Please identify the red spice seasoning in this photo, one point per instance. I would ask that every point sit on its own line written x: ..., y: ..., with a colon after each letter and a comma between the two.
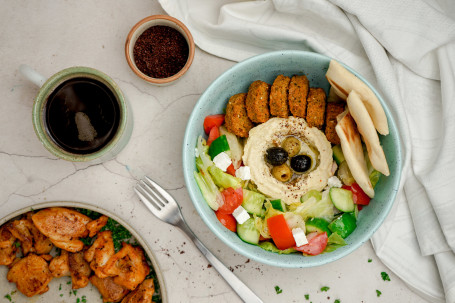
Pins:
x: 160, y: 52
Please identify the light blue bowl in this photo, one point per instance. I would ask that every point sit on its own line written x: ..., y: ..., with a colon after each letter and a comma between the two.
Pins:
x: 237, y: 80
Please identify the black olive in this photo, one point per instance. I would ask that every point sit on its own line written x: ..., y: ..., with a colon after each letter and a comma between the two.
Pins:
x: 301, y: 163
x: 276, y: 155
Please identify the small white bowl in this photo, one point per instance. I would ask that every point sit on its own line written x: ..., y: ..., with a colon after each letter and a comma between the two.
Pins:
x: 141, y: 27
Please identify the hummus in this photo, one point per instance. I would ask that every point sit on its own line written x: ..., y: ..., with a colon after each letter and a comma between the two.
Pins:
x: 272, y: 133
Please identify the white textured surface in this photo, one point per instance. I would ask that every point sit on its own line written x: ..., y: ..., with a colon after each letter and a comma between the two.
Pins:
x: 52, y: 35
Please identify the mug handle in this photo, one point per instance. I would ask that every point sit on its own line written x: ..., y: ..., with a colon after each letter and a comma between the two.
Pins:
x: 32, y: 75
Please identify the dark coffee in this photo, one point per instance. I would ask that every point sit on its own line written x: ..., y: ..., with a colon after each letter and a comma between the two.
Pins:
x: 82, y: 115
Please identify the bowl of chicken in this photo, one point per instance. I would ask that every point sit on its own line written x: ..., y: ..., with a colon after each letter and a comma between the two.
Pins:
x: 65, y: 251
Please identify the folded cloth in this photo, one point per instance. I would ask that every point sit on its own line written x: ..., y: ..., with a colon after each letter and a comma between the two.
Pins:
x: 406, y: 49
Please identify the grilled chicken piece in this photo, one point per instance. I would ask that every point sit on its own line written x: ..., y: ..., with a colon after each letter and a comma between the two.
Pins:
x: 31, y: 275
x: 32, y: 240
x: 21, y: 229
x: 7, y: 247
x: 95, y: 226
x: 142, y: 294
x: 128, y: 266
x: 59, y: 265
x: 63, y: 226
x: 110, y: 291
x: 100, y: 252
x: 79, y: 269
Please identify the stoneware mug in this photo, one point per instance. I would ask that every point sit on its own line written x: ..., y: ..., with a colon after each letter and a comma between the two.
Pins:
x: 120, y: 135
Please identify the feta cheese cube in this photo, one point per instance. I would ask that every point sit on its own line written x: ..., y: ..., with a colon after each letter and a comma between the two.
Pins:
x: 334, y: 182
x: 243, y: 172
x: 299, y: 237
x: 222, y: 161
x: 241, y: 215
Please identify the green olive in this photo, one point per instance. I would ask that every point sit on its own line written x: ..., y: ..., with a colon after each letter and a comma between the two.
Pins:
x: 291, y: 145
x: 282, y: 173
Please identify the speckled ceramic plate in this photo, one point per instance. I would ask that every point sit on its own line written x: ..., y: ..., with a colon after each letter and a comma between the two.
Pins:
x: 266, y: 67
x: 60, y: 288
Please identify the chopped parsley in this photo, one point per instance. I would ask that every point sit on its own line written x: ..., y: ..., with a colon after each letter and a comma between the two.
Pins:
x: 370, y: 260
x: 69, y: 282
x: 385, y: 276
x: 60, y: 286
x: 307, y: 297
x: 8, y: 297
x: 61, y: 295
x: 84, y: 299
x: 378, y: 293
x: 325, y: 288
x: 278, y: 290
x: 17, y: 244
x: 337, y: 301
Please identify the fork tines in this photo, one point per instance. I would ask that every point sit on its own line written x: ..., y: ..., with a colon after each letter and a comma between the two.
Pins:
x: 150, y: 192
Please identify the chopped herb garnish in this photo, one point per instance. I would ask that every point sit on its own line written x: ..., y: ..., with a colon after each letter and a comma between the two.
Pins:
x: 78, y: 300
x: 325, y: 288
x: 336, y: 301
x: 84, y: 299
x: 385, y: 276
x: 61, y: 295
x: 307, y: 297
x: 8, y: 297
x: 69, y: 282
x: 74, y: 292
x: 278, y: 290
x: 378, y: 293
x: 370, y: 260
x: 17, y: 244
x: 60, y: 286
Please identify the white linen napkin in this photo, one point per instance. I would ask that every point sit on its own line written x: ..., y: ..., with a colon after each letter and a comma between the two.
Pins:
x: 406, y: 49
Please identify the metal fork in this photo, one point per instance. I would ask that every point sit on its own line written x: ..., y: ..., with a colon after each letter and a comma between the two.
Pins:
x: 165, y: 208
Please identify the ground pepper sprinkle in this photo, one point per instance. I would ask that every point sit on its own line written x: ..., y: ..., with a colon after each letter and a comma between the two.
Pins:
x: 160, y: 52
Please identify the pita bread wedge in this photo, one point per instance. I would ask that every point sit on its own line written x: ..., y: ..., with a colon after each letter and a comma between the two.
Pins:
x: 344, y: 82
x: 366, y: 129
x: 353, y: 152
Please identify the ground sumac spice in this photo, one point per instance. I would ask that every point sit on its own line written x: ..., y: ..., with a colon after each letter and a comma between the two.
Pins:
x: 160, y: 52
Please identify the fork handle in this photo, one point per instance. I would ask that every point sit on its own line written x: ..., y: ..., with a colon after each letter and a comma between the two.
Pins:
x: 237, y: 285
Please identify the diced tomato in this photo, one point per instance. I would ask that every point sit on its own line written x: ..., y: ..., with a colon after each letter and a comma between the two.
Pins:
x: 317, y: 242
x: 233, y: 198
x: 211, y: 121
x: 214, y: 134
x: 358, y: 195
x: 227, y: 220
x: 280, y: 232
x: 231, y: 170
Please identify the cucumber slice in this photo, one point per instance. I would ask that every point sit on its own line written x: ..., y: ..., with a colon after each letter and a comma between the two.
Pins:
x: 223, y: 179
x: 248, y: 232
x: 317, y: 225
x: 310, y: 194
x: 253, y: 202
x: 343, y: 225
x: 342, y: 199
x: 278, y: 205
x: 338, y: 154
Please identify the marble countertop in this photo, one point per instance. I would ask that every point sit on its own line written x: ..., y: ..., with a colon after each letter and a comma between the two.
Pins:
x: 53, y: 35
